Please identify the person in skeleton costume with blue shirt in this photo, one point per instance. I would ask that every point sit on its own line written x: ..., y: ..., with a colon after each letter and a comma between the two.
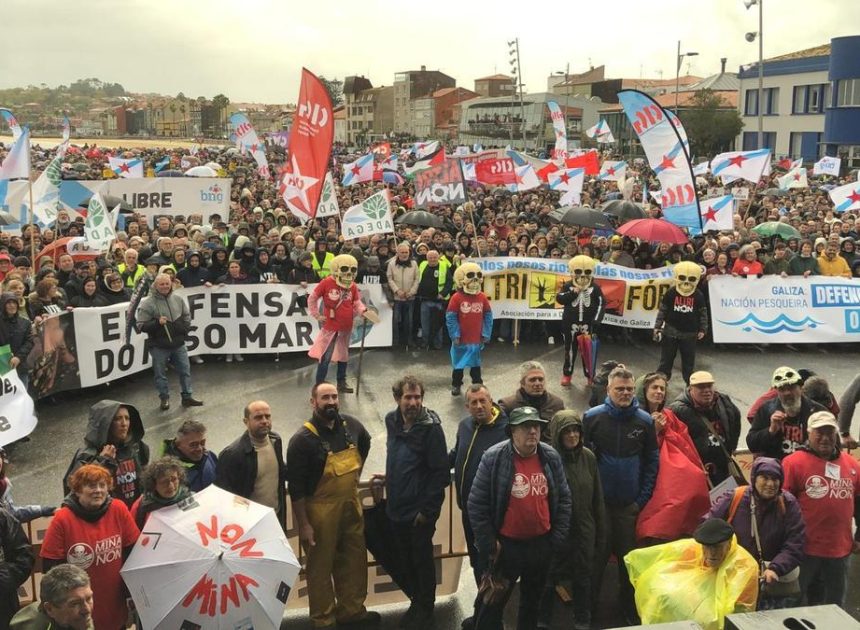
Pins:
x: 584, y: 306
x: 470, y: 323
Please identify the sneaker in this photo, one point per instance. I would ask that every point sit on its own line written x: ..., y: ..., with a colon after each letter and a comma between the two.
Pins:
x: 500, y: 339
x: 371, y: 619
x: 191, y: 402
x: 551, y: 341
x: 456, y: 390
x: 197, y: 360
x: 229, y: 358
x: 343, y: 386
x: 277, y: 358
x: 239, y: 358
x: 565, y: 381
x: 165, y: 404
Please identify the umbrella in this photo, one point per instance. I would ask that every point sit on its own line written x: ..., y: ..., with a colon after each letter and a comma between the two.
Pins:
x: 232, y: 151
x: 200, y: 171
x: 776, y: 228
x: 111, y: 202
x: 213, y: 165
x: 7, y: 219
x: 581, y: 216
x: 170, y: 173
x: 624, y: 210
x: 420, y: 218
x: 61, y: 246
x: 218, y: 561
x: 776, y: 192
x: 653, y: 231
x: 583, y: 344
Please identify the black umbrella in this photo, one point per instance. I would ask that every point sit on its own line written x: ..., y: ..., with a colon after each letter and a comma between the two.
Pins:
x: 581, y: 216
x: 111, y: 202
x: 624, y: 210
x: 420, y: 218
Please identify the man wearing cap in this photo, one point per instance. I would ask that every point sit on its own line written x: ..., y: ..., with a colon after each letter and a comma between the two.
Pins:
x: 826, y: 482
x: 779, y: 426
x: 701, y: 580
x: 616, y: 254
x: 519, y: 509
x: 623, y: 438
x: 714, y: 423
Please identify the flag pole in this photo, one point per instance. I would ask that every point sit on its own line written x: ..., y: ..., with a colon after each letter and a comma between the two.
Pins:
x: 32, y: 228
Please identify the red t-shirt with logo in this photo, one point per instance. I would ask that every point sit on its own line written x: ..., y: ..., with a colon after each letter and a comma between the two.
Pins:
x: 826, y: 491
x: 527, y: 515
x: 470, y: 311
x: 96, y: 548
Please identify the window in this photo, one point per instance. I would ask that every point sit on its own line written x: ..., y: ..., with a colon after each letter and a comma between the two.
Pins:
x: 771, y: 101
x: 810, y: 99
x: 816, y: 102
x: 794, y: 144
x: 848, y: 93
x: 751, y: 103
x: 798, y: 105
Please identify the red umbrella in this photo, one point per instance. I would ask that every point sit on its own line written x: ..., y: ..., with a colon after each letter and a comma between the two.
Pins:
x: 653, y: 231
x: 60, y: 247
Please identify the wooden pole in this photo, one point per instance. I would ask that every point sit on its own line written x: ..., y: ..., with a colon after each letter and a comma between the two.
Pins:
x: 360, y: 357
x: 516, y: 332
x: 32, y: 228
x: 475, y: 228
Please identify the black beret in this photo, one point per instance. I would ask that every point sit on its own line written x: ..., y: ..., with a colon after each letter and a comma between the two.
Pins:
x: 713, y: 532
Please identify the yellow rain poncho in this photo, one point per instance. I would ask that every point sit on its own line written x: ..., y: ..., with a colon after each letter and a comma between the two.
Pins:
x: 673, y: 584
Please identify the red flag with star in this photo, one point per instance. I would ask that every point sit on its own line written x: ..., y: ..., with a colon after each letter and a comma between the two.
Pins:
x: 310, y: 148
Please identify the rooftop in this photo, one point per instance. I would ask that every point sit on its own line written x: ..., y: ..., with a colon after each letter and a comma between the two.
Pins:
x: 496, y: 77
x: 725, y: 81
x: 685, y: 99
x: 815, y: 51
x: 583, y: 78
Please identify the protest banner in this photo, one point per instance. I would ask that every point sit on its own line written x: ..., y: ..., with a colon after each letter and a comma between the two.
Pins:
x: 86, y: 347
x: 772, y: 309
x: 525, y: 288
x: 440, y: 185
x: 16, y: 409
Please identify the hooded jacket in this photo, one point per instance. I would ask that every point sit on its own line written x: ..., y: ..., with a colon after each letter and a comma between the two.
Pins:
x: 417, y: 470
x: 191, y: 276
x: 131, y: 458
x: 780, y: 522
x: 198, y: 475
x: 16, y: 566
x: 113, y: 297
x: 263, y: 272
x: 472, y: 441
x: 216, y: 268
x: 173, y: 333
x: 15, y: 331
x: 625, y: 444
x: 587, y: 522
x: 82, y: 300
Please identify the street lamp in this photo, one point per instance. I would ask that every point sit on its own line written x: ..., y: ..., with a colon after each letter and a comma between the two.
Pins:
x: 750, y: 37
x: 518, y: 77
x: 678, y: 72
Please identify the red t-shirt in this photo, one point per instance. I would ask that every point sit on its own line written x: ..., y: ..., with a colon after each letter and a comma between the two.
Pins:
x: 96, y: 548
x: 470, y: 311
x: 826, y: 491
x: 528, y: 510
x: 338, y: 304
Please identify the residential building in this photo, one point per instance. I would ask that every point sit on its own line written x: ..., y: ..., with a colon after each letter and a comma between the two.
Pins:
x: 494, y: 85
x: 501, y: 120
x: 411, y: 85
x: 810, y: 102
x: 438, y: 116
x: 593, y: 82
x: 340, y: 124
x: 370, y: 114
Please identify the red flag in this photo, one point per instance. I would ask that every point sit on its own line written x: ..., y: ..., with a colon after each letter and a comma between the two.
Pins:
x: 381, y: 150
x: 310, y: 148
x: 496, y: 172
x: 784, y: 163
x: 588, y: 161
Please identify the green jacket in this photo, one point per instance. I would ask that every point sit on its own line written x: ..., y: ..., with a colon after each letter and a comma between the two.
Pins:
x: 32, y: 618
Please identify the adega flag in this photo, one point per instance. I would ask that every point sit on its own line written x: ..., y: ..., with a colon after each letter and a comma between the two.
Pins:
x: 126, y: 167
x: 328, y: 206
x: 846, y: 197
x: 827, y: 166
x: 663, y: 143
x: 748, y: 165
x: 440, y: 185
x: 247, y: 139
x: 98, y: 228
x: 46, y: 192
x: 311, y: 137
x: 613, y: 171
x: 359, y: 171
x: 560, y: 128
x: 371, y: 216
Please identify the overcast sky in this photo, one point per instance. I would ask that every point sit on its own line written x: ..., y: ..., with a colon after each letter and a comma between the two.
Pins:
x: 253, y: 50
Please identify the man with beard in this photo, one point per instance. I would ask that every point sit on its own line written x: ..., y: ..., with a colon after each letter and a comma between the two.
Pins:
x: 326, y: 456
x: 779, y: 426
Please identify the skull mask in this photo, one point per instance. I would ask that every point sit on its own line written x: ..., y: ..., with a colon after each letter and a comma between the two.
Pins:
x: 469, y: 277
x: 343, y: 269
x: 687, y: 276
x: 582, y: 271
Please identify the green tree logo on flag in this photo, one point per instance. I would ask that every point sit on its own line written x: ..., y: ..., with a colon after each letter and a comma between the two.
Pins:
x: 95, y: 213
x: 376, y: 206
x: 53, y: 172
x: 327, y: 191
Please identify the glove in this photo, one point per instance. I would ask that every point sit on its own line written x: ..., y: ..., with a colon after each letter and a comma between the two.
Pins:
x: 583, y: 328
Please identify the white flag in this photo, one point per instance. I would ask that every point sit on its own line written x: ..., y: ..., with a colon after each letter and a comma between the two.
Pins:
x: 795, y: 178
x: 46, y: 192
x: 701, y: 168
x: 328, y: 199
x: 371, y: 216
x: 16, y: 409
x: 827, y: 166
x: 717, y: 213
x: 98, y: 227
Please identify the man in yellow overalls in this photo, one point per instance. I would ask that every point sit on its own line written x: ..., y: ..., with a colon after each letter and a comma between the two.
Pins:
x: 325, y: 460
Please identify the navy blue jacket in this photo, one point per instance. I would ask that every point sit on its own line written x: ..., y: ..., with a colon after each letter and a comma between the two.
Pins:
x: 417, y: 471
x: 472, y: 440
x: 625, y: 443
x: 491, y: 493
x: 198, y: 475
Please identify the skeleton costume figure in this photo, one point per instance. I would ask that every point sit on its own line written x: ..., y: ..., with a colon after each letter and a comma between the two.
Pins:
x: 682, y: 320
x: 470, y: 323
x: 335, y: 302
x: 584, y: 307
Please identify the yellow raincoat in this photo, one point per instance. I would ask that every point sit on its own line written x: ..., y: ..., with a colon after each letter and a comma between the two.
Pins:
x: 673, y: 584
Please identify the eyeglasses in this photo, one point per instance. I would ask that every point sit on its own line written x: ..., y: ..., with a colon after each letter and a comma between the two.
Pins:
x: 346, y: 269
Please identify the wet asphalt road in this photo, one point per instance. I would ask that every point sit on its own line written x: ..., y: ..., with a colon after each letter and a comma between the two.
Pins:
x: 37, y: 466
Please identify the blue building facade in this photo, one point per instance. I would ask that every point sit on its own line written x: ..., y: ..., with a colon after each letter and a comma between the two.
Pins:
x: 842, y: 117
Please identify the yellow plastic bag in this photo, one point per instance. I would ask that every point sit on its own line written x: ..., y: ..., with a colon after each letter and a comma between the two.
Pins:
x: 673, y: 584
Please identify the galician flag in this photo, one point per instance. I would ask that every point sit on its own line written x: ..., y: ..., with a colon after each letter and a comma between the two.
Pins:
x: 600, y: 132
x: 748, y: 165
x: 795, y: 178
x: 700, y: 169
x: 527, y: 179
x: 162, y: 164
x: 613, y: 171
x: 359, y: 171
x: 827, y: 166
x: 717, y: 213
x: 846, y: 197
x: 99, y: 226
x: 127, y: 168
x: 17, y: 162
x: 568, y: 179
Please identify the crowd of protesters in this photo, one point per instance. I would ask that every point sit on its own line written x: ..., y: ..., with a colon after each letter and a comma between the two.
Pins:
x: 585, y: 488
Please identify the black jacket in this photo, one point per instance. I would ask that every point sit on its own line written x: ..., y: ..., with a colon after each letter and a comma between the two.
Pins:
x: 15, y: 567
x: 15, y: 331
x: 237, y: 470
x: 793, y: 435
x: 587, y: 309
x: 471, y: 443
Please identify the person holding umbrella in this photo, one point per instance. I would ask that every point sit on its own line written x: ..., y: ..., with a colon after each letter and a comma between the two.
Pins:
x: 584, y: 307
